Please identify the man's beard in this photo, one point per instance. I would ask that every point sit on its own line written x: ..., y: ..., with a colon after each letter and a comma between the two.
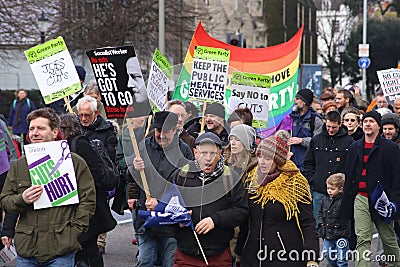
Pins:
x: 297, y: 108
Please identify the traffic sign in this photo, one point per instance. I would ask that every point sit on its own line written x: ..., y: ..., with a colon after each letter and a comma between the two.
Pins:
x: 364, y: 62
x: 363, y: 50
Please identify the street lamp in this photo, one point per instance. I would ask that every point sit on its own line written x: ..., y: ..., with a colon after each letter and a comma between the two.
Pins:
x: 44, y: 24
x: 341, y: 47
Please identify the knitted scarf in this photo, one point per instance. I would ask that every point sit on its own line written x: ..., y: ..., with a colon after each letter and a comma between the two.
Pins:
x: 289, y: 188
x: 219, y: 169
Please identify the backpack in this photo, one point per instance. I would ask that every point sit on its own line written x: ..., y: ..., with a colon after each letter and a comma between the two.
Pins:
x: 110, y: 177
x: 28, y: 102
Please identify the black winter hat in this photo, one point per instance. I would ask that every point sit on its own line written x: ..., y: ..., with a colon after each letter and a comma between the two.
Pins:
x: 306, y: 95
x: 391, y: 118
x: 375, y: 115
x: 165, y: 120
x: 215, y: 109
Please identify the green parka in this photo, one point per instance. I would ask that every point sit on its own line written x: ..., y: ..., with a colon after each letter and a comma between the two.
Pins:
x: 48, y: 233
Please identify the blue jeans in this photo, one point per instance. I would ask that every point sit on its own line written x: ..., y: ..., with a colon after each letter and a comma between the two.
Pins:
x: 335, y: 251
x: 67, y: 260
x: 149, y: 246
x: 316, y: 202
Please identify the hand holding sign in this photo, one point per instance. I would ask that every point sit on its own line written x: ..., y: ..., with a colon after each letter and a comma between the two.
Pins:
x: 32, y: 194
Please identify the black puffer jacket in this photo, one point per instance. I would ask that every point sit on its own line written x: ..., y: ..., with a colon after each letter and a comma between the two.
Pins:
x: 104, y: 131
x: 326, y: 155
x: 331, y: 225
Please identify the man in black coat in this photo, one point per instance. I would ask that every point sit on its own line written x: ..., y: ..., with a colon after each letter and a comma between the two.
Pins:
x: 373, y: 164
x: 325, y: 156
x: 96, y: 127
x: 217, y: 200
x: 162, y: 154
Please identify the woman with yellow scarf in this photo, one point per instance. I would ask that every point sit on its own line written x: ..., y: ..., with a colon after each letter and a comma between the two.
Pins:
x: 281, y: 223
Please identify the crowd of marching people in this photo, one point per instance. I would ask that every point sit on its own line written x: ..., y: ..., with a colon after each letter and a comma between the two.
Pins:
x: 320, y: 187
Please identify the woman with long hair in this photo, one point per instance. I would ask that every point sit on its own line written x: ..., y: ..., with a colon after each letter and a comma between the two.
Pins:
x: 281, y: 223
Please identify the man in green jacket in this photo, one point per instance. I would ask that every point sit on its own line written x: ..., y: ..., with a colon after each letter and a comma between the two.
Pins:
x: 47, y: 237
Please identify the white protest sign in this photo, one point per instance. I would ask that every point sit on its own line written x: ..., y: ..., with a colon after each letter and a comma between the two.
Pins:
x: 390, y: 83
x: 54, y: 70
x: 251, y: 91
x: 50, y: 165
x: 157, y: 86
x: 209, y: 74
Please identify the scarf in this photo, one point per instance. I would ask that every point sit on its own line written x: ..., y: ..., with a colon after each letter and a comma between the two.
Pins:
x: 219, y: 169
x: 288, y: 186
x: 18, y: 113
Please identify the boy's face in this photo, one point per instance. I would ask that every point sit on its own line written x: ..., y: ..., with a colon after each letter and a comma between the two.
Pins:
x: 333, y: 190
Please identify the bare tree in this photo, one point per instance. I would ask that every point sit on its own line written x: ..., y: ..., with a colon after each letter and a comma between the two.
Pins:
x: 88, y: 24
x: 333, y: 28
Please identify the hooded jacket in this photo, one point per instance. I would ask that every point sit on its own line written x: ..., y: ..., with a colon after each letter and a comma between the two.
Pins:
x: 325, y: 156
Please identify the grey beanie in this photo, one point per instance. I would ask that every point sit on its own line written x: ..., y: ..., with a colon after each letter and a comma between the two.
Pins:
x: 245, y: 133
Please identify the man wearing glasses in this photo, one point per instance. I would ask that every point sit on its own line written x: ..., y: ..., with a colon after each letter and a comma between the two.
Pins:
x: 325, y: 156
x: 96, y: 127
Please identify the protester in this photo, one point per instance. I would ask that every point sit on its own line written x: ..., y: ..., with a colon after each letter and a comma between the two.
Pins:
x: 162, y: 154
x: 92, y: 89
x: 372, y: 165
x: 317, y: 107
x: 391, y: 127
x: 343, y: 99
x: 240, y: 116
x: 96, y: 127
x: 396, y: 106
x: 218, y: 207
x: 178, y: 107
x: 325, y: 156
x: 351, y: 118
x: 214, y: 122
x: 327, y: 96
x: 381, y: 101
x: 102, y: 220
x: 47, y: 236
x: 137, y: 117
x: 306, y: 124
x: 332, y: 227
x: 328, y: 106
x: 19, y: 110
x: 280, y: 205
x: 191, y: 111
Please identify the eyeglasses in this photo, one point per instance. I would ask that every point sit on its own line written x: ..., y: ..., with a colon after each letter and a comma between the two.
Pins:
x: 351, y: 120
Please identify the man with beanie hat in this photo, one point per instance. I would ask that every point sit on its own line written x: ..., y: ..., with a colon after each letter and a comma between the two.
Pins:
x: 325, y: 156
x: 306, y: 124
x: 161, y: 155
x: 215, y: 121
x: 391, y: 127
x: 218, y: 201
x: 372, y: 189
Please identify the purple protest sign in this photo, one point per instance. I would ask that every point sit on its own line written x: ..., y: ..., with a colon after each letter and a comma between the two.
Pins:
x: 4, y: 160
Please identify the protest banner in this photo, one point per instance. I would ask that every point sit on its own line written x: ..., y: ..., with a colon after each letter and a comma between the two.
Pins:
x: 50, y: 165
x: 157, y: 85
x: 280, y: 62
x: 54, y: 70
x: 209, y: 74
x: 251, y: 91
x: 119, y: 77
x: 390, y: 83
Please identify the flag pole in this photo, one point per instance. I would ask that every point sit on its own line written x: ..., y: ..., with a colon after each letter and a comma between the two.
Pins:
x: 201, y: 248
x: 68, y: 105
x: 137, y: 154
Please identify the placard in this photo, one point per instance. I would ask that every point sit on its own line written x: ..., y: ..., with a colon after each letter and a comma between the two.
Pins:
x: 390, y: 83
x: 54, y: 70
x: 119, y: 77
x: 50, y: 165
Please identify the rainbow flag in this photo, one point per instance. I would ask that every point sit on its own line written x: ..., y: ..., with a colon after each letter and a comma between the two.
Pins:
x: 280, y: 62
